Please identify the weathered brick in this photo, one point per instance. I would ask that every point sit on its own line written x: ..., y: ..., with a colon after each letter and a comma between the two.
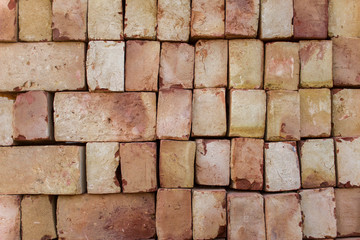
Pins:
x: 246, y: 63
x: 102, y: 167
x: 173, y: 214
x: 142, y: 65
x: 138, y: 167
x: 6, y: 119
x: 50, y: 70
x: 247, y: 113
x: 247, y: 163
x: 8, y: 20
x: 344, y: 18
x: 212, y: 162
x: 10, y: 217
x: 46, y: 170
x: 105, y: 66
x: 173, y: 20
x: 111, y: 217
x: 211, y: 58
x: 123, y: 117
x: 209, y: 112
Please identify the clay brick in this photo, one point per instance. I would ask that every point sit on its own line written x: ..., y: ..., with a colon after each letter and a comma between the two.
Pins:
x: 142, y: 65
x: 69, y: 20
x: 283, y: 116
x: 347, y: 212
x: 138, y: 167
x: 355, y: 238
x: 310, y: 19
x: 211, y: 59
x: 276, y: 19
x: 117, y: 117
x: 173, y: 18
x: 174, y: 114
x: 245, y: 212
x: 207, y: 19
x: 38, y: 217
x: 102, y: 167
x: 8, y: 20
x: 209, y: 213
x: 283, y: 216
x: 105, y: 66
x: 246, y: 63
x: 173, y: 214
x: 212, y: 162
x: 344, y: 18
x: 346, y: 57
x: 247, y: 163
x: 105, y: 20
x: 113, y: 216
x: 10, y: 217
x: 317, y: 163
x: 315, y: 112
x: 247, y: 113
x: 209, y: 112
x: 282, y: 66
x: 282, y: 171
x: 6, y: 119
x: 176, y: 65
x: 46, y: 170
x: 33, y: 116
x: 50, y: 70
x: 176, y: 164
x: 140, y: 19
x: 316, y: 64
x: 35, y: 20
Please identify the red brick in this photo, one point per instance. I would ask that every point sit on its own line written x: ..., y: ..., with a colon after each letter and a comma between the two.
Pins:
x: 8, y: 20
x: 6, y: 119
x: 10, y: 217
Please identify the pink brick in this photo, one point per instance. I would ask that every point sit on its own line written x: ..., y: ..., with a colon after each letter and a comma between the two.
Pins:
x: 10, y: 217
x: 8, y: 20
x: 6, y: 119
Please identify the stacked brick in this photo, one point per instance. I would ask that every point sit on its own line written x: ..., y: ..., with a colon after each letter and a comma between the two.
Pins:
x: 179, y: 119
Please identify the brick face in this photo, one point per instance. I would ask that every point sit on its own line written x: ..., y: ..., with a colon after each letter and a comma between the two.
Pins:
x: 6, y: 119
x: 8, y: 20
x: 10, y: 216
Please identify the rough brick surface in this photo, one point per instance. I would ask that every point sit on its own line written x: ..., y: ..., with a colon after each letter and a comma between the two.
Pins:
x: 6, y: 119
x: 10, y: 217
x: 344, y: 18
x: 8, y: 20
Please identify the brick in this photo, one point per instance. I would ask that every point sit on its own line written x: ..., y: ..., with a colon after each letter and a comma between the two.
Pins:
x: 276, y: 19
x: 49, y: 70
x: 173, y: 214
x: 247, y: 163
x: 354, y: 238
x: 38, y: 217
x: 35, y: 20
x: 173, y: 18
x: 315, y: 112
x: 347, y: 212
x: 10, y: 217
x: 138, y: 167
x: 346, y: 57
x: 113, y: 216
x: 283, y: 216
x: 77, y: 112
x: 69, y: 20
x: 282, y: 171
x: 32, y: 118
x: 6, y: 119
x: 316, y: 64
x: 282, y: 66
x: 105, y: 66
x: 102, y: 167
x: 317, y: 163
x: 246, y: 63
x: 140, y: 19
x: 346, y: 112
x: 176, y: 164
x: 344, y: 18
x: 207, y: 19
x: 142, y: 65
x: 310, y: 19
x: 247, y: 113
x: 174, y: 114
x: 211, y: 59
x: 8, y: 20
x: 209, y: 112
x: 105, y: 20
x: 52, y: 170
x: 176, y: 65
x: 283, y: 116
x: 212, y: 162
x: 245, y: 216
x: 209, y: 213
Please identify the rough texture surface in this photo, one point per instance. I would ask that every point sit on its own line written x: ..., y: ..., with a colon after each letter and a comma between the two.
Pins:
x: 8, y: 20
x: 6, y: 119
x: 344, y: 18
x: 10, y: 217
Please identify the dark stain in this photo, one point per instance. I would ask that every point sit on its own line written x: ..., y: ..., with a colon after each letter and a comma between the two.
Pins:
x: 324, y: 184
x: 21, y: 138
x: 245, y: 184
x: 124, y: 182
x: 46, y: 237
x: 221, y: 231
x: 266, y: 146
x: 17, y: 89
x: 117, y: 177
x: 12, y: 4
x: 335, y: 91
x: 46, y: 119
x: 203, y: 143
x: 117, y: 154
x: 177, y: 86
x: 348, y: 139
x: 346, y: 185
x: 58, y: 36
